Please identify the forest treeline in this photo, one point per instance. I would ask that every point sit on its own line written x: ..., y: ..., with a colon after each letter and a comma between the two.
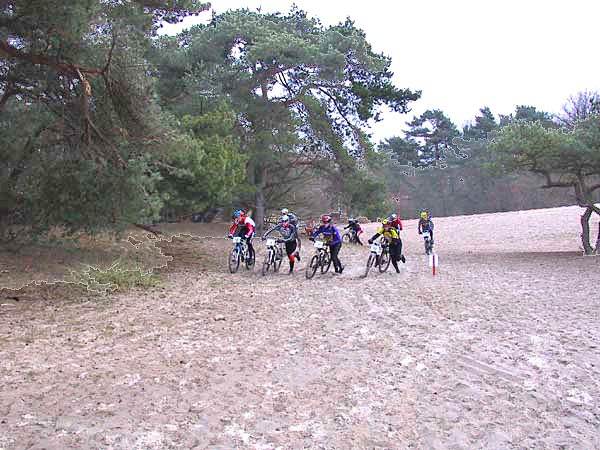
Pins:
x: 106, y: 123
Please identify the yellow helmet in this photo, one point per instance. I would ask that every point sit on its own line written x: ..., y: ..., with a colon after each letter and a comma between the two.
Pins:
x: 385, y: 222
x: 423, y: 215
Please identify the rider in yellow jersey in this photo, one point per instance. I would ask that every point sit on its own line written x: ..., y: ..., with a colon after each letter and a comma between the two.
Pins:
x: 425, y: 225
x: 392, y: 234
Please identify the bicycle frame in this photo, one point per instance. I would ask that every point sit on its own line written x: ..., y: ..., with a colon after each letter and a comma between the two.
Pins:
x: 428, y: 244
x: 378, y: 250
x: 239, y: 252
x: 274, y: 256
x: 240, y: 246
x: 321, y: 259
x: 272, y: 249
x: 321, y: 249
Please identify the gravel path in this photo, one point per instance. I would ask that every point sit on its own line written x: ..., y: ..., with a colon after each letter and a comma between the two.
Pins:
x: 501, y: 349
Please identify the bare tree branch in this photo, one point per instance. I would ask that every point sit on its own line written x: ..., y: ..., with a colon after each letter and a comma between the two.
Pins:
x: 163, y: 6
x: 44, y: 60
x: 110, y: 144
x: 149, y: 228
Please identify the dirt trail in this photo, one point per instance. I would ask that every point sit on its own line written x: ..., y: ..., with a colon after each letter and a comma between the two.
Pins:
x: 500, y: 350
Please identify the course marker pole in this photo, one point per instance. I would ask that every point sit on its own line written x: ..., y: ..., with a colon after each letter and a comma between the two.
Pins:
x: 434, y: 261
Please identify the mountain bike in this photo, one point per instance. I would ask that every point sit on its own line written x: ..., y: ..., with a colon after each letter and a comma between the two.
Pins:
x: 274, y: 256
x: 239, y: 253
x: 428, y: 243
x: 350, y: 237
x: 380, y: 256
x: 321, y: 259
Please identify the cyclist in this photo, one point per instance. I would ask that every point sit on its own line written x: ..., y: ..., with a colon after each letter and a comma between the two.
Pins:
x: 426, y: 225
x: 332, y: 239
x: 356, y: 229
x: 289, y: 234
x: 246, y: 229
x: 395, y: 221
x: 293, y: 217
x: 392, y: 234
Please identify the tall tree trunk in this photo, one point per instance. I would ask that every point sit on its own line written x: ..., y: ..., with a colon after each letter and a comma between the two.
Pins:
x: 259, y: 217
x: 585, y: 232
x: 261, y: 204
x: 444, y: 194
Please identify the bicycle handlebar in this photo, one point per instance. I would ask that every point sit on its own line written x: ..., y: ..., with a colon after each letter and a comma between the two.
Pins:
x: 279, y: 241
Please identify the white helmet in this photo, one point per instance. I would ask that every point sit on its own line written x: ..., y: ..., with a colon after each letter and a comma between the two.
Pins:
x: 285, y: 211
x: 285, y: 218
x: 394, y: 216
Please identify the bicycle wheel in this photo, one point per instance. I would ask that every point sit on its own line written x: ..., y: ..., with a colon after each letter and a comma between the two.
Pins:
x: 267, y: 263
x: 346, y: 238
x: 250, y: 260
x: 384, y: 260
x: 311, y: 269
x: 278, y: 259
x: 370, y: 262
x: 234, y: 260
x: 325, y: 262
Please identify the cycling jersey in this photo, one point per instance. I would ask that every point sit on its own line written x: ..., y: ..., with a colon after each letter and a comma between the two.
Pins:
x: 245, y: 223
x: 288, y: 233
x: 391, y: 233
x: 396, y: 223
x: 425, y: 225
x: 330, y: 233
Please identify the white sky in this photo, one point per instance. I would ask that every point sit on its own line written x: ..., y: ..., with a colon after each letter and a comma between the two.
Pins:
x: 466, y: 54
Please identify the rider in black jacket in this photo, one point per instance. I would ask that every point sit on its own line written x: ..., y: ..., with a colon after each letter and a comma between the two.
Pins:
x: 355, y: 227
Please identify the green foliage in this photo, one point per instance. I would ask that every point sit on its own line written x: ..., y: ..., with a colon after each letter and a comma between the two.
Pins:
x: 303, y: 92
x: 528, y: 145
x: 568, y: 158
x: 436, y: 131
x: 364, y: 194
x: 564, y: 157
x: 119, y: 277
x: 528, y: 114
x: 484, y: 124
x: 465, y: 185
x: 404, y: 150
x: 363, y: 191
x: 86, y: 196
x: 45, y: 186
x: 77, y: 106
x: 205, y: 168
x: 107, y: 125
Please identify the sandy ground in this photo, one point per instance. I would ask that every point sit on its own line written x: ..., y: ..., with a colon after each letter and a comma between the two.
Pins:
x: 500, y: 350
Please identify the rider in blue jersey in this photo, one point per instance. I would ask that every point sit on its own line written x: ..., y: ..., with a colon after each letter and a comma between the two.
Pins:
x: 332, y: 238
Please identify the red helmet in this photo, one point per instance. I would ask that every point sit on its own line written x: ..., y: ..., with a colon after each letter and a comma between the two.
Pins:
x: 326, y: 218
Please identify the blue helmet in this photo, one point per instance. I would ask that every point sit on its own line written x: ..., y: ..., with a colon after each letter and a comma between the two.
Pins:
x: 238, y: 213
